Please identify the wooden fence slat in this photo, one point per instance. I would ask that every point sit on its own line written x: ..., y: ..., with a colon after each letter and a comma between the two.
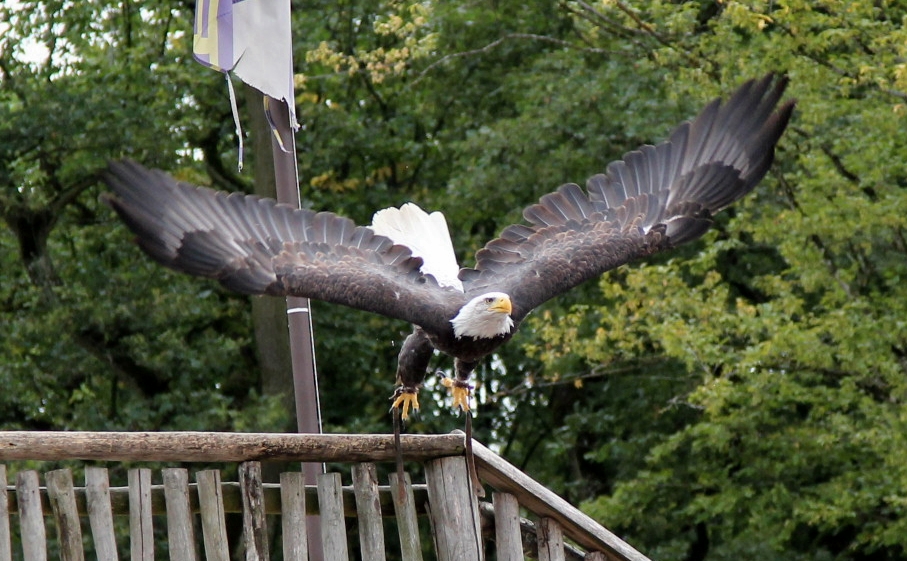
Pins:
x: 595, y: 556
x: 551, y: 540
x: 141, y: 532
x: 255, y: 529
x: 180, y: 531
x: 454, y: 510
x: 62, y: 499
x: 293, y: 519
x: 333, y: 526
x: 407, y: 523
x: 508, y: 543
x: 211, y: 508
x: 6, y: 544
x: 368, y: 511
x: 100, y: 515
x: 31, y: 516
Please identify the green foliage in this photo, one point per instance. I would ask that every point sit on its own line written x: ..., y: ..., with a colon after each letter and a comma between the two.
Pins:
x: 788, y: 321
x: 95, y: 336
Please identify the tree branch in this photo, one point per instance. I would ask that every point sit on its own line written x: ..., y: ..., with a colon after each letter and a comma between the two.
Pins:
x: 497, y: 42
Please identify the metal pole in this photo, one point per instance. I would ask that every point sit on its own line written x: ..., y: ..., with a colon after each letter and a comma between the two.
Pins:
x: 299, y: 315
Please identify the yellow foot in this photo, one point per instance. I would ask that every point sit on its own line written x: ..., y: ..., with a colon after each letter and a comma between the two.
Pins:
x: 404, y: 400
x: 459, y: 391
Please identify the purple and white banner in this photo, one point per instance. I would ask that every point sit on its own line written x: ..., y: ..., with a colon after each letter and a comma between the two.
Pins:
x: 250, y: 38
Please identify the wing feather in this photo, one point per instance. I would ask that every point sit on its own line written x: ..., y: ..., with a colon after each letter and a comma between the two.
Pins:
x: 517, y: 233
x: 257, y: 246
x: 655, y: 198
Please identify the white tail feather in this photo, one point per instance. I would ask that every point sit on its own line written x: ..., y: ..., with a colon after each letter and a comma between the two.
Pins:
x: 426, y: 235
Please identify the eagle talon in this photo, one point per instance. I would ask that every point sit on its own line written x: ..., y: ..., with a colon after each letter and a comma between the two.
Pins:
x: 459, y: 391
x: 405, y: 398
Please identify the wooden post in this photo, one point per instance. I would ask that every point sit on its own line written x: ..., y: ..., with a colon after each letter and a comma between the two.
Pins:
x: 31, y: 516
x: 255, y: 529
x: 292, y: 516
x: 6, y: 545
x: 551, y: 540
x: 299, y: 310
x: 508, y: 542
x: 141, y: 532
x: 211, y: 507
x: 180, y: 532
x: 100, y: 515
x: 368, y: 511
x: 407, y: 524
x: 302, y: 346
x: 454, y: 510
x: 62, y: 499
x: 333, y: 528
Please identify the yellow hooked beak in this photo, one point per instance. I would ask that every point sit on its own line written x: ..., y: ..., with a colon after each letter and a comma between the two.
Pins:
x: 501, y: 304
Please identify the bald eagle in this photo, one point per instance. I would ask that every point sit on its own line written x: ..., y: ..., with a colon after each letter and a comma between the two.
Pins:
x: 403, y: 265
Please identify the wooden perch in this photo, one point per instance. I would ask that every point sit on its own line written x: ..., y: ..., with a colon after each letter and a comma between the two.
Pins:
x: 223, y: 447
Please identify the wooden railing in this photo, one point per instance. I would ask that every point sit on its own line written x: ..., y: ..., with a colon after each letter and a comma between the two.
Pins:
x: 523, y: 519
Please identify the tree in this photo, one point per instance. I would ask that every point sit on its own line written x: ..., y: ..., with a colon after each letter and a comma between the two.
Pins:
x: 93, y: 332
x: 766, y: 367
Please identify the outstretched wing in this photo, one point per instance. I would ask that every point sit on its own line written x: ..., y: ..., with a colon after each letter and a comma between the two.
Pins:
x: 655, y: 198
x: 257, y: 246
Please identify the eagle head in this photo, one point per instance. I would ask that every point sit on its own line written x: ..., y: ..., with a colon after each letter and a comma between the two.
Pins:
x: 486, y: 316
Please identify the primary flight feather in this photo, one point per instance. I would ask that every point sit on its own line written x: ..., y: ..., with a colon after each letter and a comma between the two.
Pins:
x: 402, y: 266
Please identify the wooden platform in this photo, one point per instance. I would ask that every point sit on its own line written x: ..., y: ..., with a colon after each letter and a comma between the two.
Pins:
x: 193, y: 508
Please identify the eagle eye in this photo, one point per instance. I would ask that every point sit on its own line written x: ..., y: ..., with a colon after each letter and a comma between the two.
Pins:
x: 489, y: 300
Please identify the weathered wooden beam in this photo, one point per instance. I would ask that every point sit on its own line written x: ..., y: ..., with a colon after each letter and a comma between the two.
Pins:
x: 536, y: 498
x: 222, y: 446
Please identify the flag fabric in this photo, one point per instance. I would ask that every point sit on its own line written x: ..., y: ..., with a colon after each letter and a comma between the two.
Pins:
x: 250, y: 38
